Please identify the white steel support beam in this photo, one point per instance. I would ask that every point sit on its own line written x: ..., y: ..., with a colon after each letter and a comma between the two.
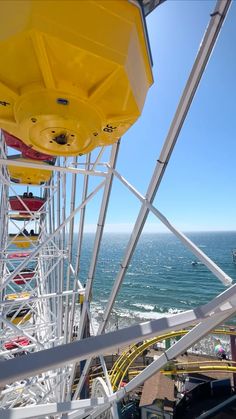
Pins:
x: 70, y: 242
x: 82, y: 217
x: 97, y: 243
x: 16, y: 369
x: 44, y: 296
x: 200, y: 63
x: 80, y: 236
x: 206, y: 317
x: 193, y: 336
x: 218, y: 272
x: 48, y: 167
x: 8, y: 183
x: 205, y: 50
x: 98, y: 159
x: 21, y: 332
x: 104, y: 403
x: 99, y: 410
x: 114, y: 410
x: 40, y: 411
x: 98, y: 237
x: 49, y: 238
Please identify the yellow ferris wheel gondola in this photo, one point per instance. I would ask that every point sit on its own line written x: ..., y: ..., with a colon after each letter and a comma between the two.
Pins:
x: 20, y: 217
x: 17, y: 296
x: 28, y: 175
x: 21, y: 241
x: 73, y: 74
x: 17, y: 316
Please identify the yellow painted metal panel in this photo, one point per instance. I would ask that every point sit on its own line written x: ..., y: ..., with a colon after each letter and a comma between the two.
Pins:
x: 73, y: 74
x: 28, y: 175
x: 21, y: 241
x: 18, y: 296
x: 21, y: 319
x: 20, y: 217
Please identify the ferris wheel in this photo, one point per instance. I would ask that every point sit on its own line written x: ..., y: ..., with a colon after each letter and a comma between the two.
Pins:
x: 64, y: 113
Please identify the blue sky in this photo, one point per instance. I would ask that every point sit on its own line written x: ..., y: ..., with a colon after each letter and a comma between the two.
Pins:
x: 198, y: 189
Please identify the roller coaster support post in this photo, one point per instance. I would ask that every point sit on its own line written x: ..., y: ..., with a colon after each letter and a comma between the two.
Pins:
x: 233, y: 353
x: 167, y: 343
x: 86, y: 334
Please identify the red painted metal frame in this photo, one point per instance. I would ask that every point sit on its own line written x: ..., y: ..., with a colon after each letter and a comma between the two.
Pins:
x: 26, y: 151
x: 13, y: 344
x: 33, y: 203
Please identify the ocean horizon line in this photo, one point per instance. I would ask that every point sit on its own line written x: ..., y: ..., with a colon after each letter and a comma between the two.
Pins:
x: 164, y: 232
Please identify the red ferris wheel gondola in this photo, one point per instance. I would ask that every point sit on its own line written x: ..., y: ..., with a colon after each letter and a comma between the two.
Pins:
x: 26, y: 151
x: 24, y: 276
x: 16, y: 343
x: 33, y: 203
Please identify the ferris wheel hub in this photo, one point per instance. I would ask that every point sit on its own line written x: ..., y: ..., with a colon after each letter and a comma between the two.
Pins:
x: 56, y: 127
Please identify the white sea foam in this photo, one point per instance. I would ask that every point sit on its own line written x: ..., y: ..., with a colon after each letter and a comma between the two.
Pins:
x: 121, y: 318
x: 145, y: 306
x: 148, y: 316
x: 174, y: 311
x: 128, y: 316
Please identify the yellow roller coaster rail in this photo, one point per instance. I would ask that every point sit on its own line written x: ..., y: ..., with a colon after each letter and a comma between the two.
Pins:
x: 126, y: 359
x: 202, y: 366
x: 193, y: 367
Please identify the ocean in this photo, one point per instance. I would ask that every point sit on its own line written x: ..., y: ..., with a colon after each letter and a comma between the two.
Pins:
x: 161, y: 278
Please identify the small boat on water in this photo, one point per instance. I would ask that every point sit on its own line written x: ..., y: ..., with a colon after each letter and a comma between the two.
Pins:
x: 196, y: 262
x: 234, y: 255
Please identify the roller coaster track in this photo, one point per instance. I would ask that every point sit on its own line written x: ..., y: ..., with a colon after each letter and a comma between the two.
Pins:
x: 126, y: 359
x: 193, y: 367
x: 201, y: 367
